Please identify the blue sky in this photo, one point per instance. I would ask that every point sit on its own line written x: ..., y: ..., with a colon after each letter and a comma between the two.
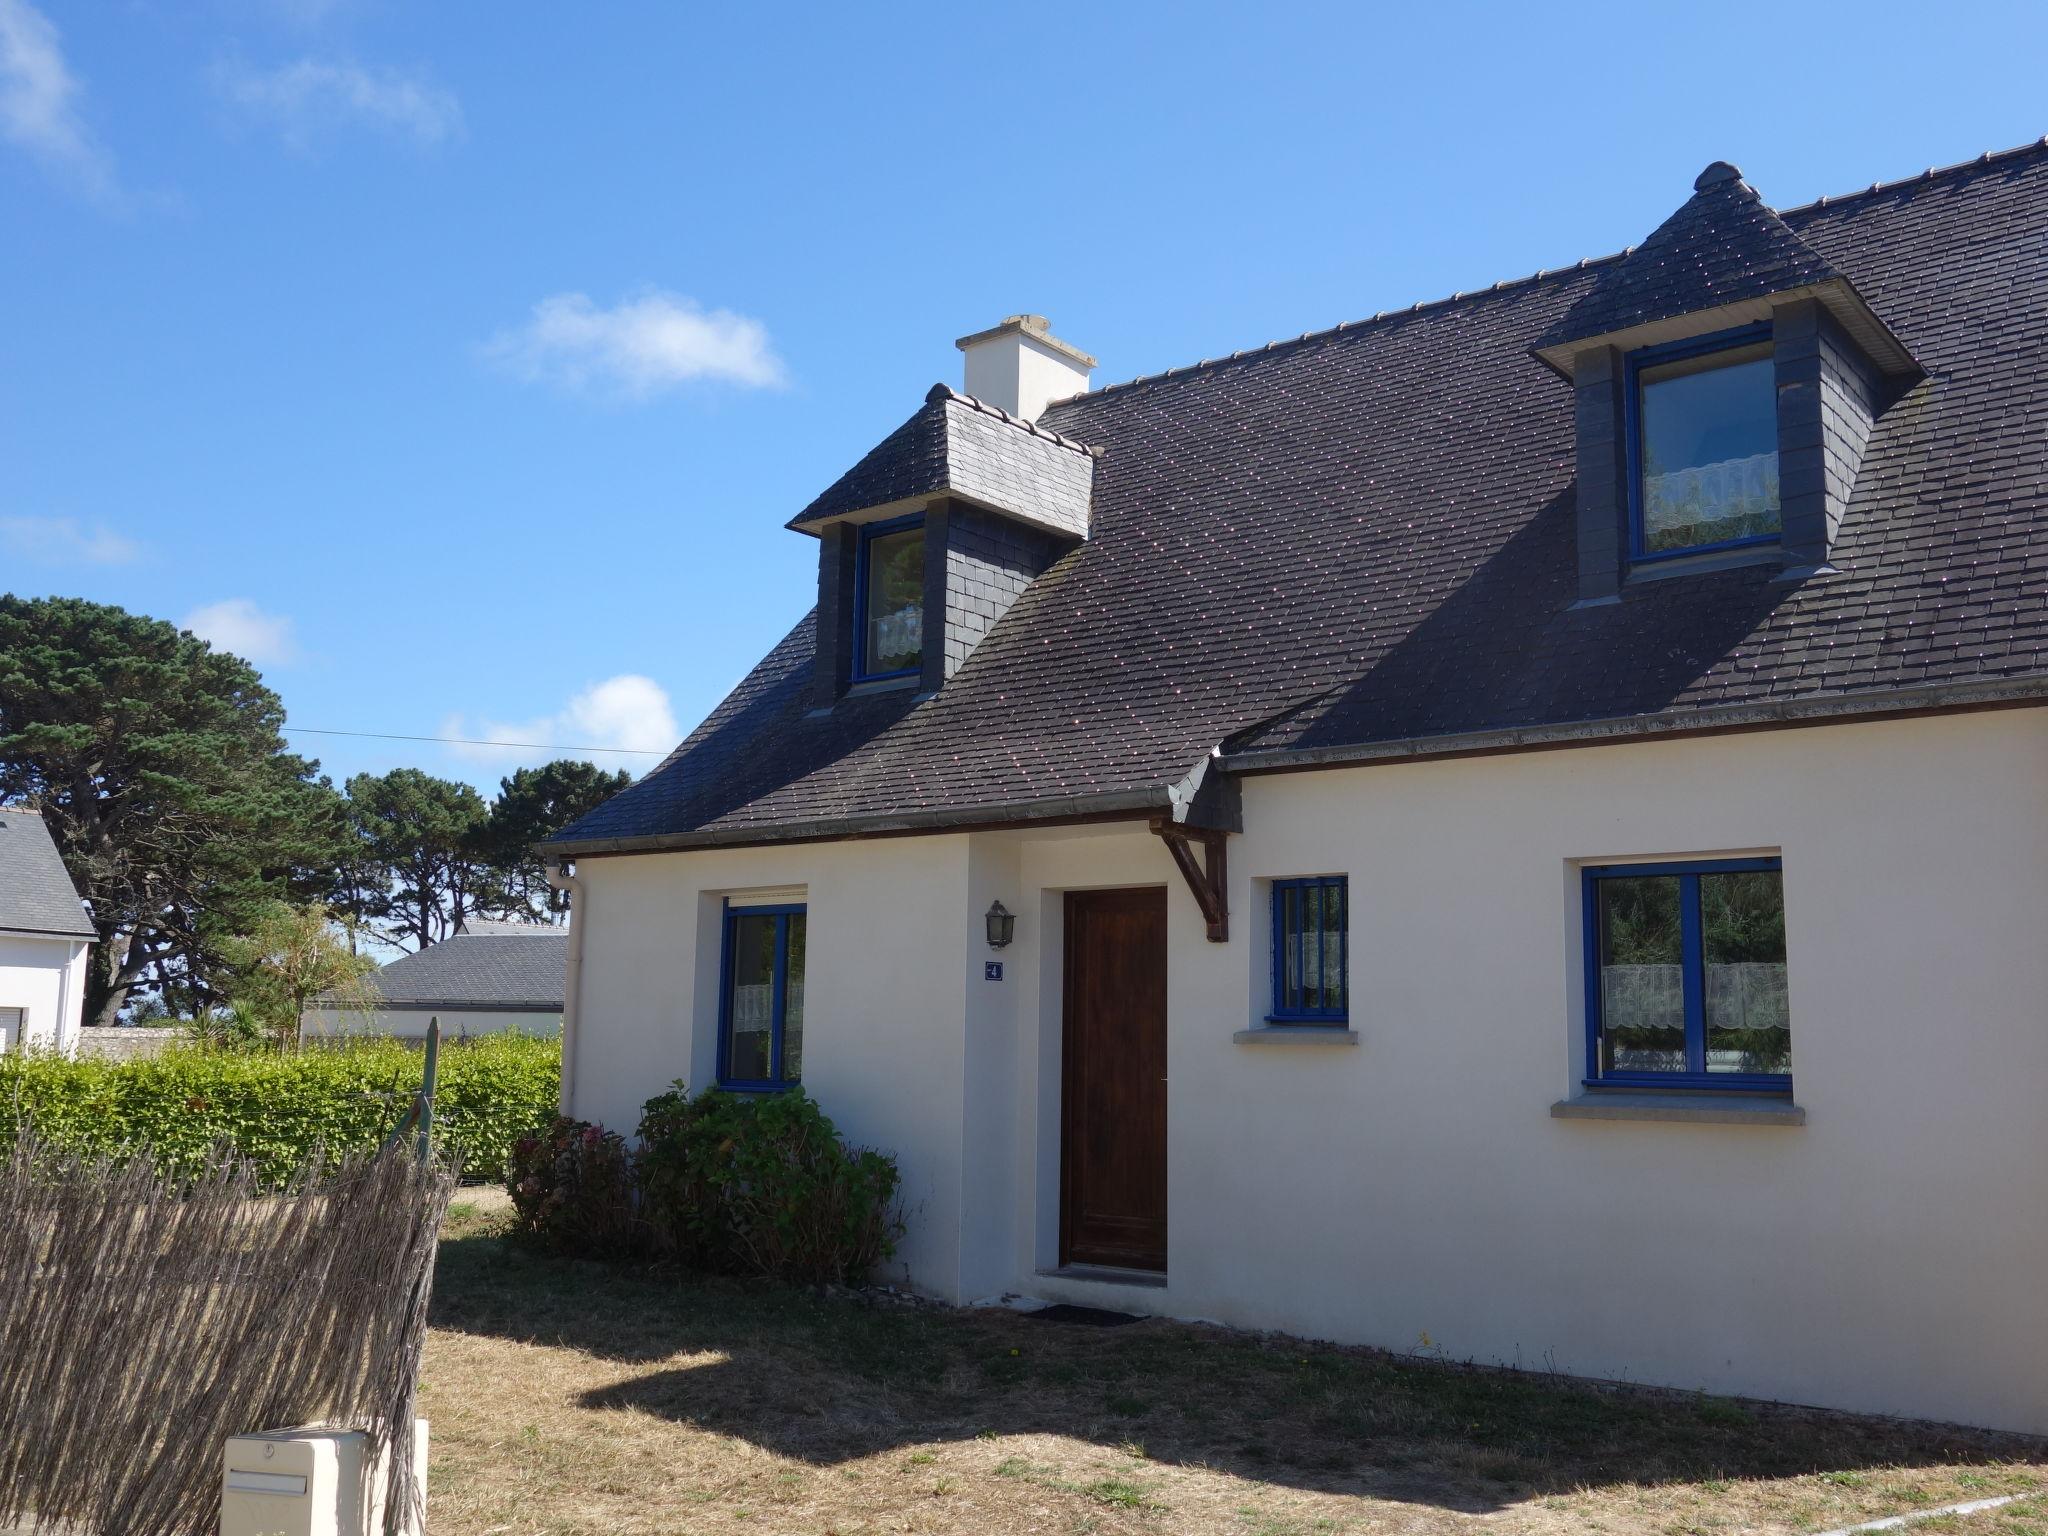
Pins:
x: 460, y: 363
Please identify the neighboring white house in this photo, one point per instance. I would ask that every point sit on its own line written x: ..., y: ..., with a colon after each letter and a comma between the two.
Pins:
x: 45, y: 933
x: 486, y: 978
x: 1305, y: 841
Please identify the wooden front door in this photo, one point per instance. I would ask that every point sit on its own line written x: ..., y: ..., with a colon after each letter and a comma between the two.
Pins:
x: 1113, y: 1094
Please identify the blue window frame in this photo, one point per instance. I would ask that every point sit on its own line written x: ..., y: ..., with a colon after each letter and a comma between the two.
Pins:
x: 1685, y: 976
x: 1702, y: 431
x: 888, y: 600
x: 1311, y: 960
x: 761, y: 997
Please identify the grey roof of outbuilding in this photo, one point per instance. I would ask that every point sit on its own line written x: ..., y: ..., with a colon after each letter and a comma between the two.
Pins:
x: 36, y: 893
x: 480, y: 970
x: 1362, y: 538
x: 955, y: 443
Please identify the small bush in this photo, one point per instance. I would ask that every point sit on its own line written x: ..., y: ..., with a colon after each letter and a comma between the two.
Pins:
x: 275, y: 1107
x: 572, y: 1187
x: 762, y: 1184
x: 731, y: 1183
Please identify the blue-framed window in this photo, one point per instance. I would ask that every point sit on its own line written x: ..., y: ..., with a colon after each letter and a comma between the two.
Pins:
x: 1702, y: 425
x: 761, y: 997
x: 1311, y: 959
x: 888, y: 600
x: 1685, y: 976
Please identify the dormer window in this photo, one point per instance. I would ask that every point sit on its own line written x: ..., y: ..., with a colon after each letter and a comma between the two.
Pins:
x: 1704, y: 445
x: 888, y: 624
x: 1726, y: 378
x: 926, y: 542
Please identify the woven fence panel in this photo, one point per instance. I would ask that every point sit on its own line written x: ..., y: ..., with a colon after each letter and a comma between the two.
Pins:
x: 145, y: 1320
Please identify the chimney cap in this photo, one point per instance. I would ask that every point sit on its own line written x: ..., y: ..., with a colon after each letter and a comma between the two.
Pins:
x: 1037, y: 327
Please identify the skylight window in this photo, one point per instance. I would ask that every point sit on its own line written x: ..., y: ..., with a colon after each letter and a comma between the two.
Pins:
x: 1705, y: 445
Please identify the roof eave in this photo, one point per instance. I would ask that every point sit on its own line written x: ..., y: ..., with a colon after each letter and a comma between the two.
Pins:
x: 76, y: 935
x: 914, y: 505
x: 428, y: 1004
x: 1819, y: 709
x: 1123, y: 805
x: 1837, y: 293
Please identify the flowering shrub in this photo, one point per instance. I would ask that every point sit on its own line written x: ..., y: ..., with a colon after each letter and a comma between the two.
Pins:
x: 572, y: 1189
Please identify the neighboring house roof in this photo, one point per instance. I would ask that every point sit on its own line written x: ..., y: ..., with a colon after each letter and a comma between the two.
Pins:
x: 1360, y: 542
x: 36, y: 893
x: 485, y: 968
x: 955, y: 443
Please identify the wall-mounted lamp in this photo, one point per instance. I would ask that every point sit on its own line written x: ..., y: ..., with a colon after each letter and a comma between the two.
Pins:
x: 1002, y: 926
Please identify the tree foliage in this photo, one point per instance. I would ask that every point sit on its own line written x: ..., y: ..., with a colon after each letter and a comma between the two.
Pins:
x: 534, y: 804
x: 289, y: 956
x: 421, y: 841
x: 159, y: 765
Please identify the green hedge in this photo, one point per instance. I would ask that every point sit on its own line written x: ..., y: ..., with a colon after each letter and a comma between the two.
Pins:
x: 275, y: 1107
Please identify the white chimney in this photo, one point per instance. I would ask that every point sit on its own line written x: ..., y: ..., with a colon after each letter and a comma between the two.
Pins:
x: 1021, y: 367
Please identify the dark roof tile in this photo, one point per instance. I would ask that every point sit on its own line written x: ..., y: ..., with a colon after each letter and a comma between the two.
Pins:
x: 955, y: 443
x: 1365, y: 535
x: 1722, y: 246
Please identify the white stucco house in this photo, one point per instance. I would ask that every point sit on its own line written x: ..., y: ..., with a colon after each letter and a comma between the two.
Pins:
x: 45, y: 936
x: 485, y: 978
x: 1521, y: 819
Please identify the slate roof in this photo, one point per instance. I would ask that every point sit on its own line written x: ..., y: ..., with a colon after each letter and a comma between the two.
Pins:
x: 954, y: 442
x: 1723, y: 245
x: 36, y: 893
x: 1360, y: 542
x: 485, y: 968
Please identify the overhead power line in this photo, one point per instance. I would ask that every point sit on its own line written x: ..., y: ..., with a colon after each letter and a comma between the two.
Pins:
x: 471, y: 741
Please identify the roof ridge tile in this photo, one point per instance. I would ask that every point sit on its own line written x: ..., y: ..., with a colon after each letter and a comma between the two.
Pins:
x: 945, y: 392
x: 1989, y: 157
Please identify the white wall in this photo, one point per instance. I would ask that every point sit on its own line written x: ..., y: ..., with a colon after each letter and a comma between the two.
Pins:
x: 46, y: 977
x: 884, y: 1027
x: 411, y: 1023
x: 1885, y: 1256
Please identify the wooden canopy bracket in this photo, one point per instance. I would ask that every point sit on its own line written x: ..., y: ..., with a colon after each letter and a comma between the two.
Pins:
x: 1208, y: 878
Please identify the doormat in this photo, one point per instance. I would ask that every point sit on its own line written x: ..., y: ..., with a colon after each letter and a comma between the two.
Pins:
x: 1083, y: 1317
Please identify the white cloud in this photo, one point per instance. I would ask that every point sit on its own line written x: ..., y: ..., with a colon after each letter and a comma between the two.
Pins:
x: 627, y: 712
x: 639, y: 346
x: 39, y: 102
x: 237, y: 624
x: 311, y: 96
x: 63, y: 541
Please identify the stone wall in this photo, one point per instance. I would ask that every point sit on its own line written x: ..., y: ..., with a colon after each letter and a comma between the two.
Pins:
x: 127, y: 1044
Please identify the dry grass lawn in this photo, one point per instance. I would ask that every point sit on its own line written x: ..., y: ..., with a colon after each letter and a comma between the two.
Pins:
x: 573, y: 1397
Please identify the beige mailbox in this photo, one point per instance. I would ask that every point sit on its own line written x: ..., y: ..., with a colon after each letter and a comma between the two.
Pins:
x: 308, y: 1482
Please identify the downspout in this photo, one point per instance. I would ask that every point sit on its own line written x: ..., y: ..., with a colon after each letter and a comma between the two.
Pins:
x: 65, y: 990
x: 561, y: 877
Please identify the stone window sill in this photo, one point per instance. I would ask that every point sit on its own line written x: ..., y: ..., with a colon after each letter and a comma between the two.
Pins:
x: 1707, y: 560
x: 1297, y: 1034
x: 882, y: 685
x: 1680, y: 1108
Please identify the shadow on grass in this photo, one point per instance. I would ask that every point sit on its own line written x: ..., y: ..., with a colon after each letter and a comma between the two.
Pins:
x: 830, y: 1379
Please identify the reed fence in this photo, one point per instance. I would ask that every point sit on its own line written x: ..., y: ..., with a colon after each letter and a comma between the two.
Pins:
x: 147, y: 1316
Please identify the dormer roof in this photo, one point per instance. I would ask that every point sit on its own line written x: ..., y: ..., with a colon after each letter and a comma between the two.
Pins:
x: 956, y: 445
x: 1720, y: 261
